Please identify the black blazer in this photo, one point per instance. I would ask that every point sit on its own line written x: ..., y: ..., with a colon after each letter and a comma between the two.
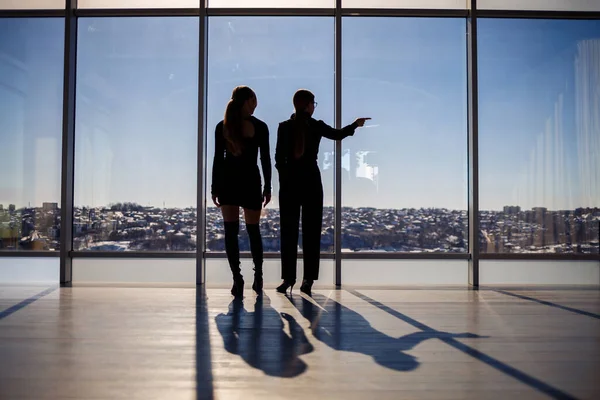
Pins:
x: 284, y: 151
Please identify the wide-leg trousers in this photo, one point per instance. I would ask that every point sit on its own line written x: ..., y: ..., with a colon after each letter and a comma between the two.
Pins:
x: 301, y: 192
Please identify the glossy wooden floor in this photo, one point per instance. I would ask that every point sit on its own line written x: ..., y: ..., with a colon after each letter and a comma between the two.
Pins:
x: 161, y: 343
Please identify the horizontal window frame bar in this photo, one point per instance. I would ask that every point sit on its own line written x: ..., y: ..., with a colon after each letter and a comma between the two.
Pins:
x: 531, y: 14
x: 539, y: 257
x: 404, y: 256
x: 324, y: 256
x: 195, y: 12
x: 137, y: 12
x: 133, y: 254
x: 271, y: 12
x: 346, y: 12
x: 406, y: 12
x: 33, y: 13
x: 29, y: 253
x: 267, y: 256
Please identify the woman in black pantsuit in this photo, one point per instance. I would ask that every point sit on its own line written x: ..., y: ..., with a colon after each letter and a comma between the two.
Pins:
x: 236, y: 180
x: 300, y: 185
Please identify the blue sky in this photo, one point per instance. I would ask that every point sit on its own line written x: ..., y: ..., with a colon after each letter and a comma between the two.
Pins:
x: 137, y: 106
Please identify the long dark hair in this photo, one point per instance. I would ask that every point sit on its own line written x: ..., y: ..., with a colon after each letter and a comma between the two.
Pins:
x: 232, y: 122
x: 302, y: 98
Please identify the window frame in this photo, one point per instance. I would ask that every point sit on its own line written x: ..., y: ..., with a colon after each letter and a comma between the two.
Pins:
x: 471, y: 13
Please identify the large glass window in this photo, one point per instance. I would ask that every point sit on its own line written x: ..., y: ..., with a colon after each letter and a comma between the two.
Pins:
x: 136, y: 134
x: 31, y: 88
x: 275, y: 56
x: 539, y: 128
x: 405, y: 173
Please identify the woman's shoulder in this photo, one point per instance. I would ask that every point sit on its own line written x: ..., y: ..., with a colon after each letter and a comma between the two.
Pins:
x: 259, y: 123
x: 287, y: 122
x: 220, y: 125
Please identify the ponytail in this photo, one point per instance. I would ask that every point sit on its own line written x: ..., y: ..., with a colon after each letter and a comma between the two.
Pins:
x: 302, y: 98
x: 232, y: 121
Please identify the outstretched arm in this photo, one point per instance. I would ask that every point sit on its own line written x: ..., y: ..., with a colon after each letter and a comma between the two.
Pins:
x: 335, y: 134
x: 339, y: 134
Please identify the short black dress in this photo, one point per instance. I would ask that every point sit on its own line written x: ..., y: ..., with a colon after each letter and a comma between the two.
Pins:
x: 236, y: 179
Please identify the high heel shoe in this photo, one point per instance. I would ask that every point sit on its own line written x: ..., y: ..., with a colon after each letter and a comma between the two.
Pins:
x: 257, y: 286
x: 285, y: 285
x: 307, y: 286
x: 237, y: 290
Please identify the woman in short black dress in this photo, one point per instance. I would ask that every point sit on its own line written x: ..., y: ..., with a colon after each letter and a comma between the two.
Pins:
x: 236, y: 180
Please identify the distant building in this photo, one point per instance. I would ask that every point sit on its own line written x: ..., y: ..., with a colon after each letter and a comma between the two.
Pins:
x: 512, y: 210
x: 49, y: 206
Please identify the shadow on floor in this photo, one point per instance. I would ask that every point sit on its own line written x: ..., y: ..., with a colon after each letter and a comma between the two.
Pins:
x: 343, y: 329
x: 259, y: 338
x: 548, y: 303
x: 529, y: 380
x: 204, y: 377
x: 13, y: 309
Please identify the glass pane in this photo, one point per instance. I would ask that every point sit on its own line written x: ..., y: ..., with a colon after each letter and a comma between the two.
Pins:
x: 539, y: 135
x: 429, y: 4
x: 138, y: 3
x: 271, y: 3
x: 263, y: 53
x: 545, y: 5
x: 404, y: 177
x: 20, y: 271
x: 543, y: 272
x: 31, y: 89
x: 136, y: 134
x: 404, y: 272
x: 134, y: 270
x: 32, y: 4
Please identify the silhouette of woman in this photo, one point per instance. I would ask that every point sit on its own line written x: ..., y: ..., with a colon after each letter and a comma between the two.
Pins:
x: 300, y: 184
x: 259, y: 338
x: 236, y: 180
x: 344, y: 329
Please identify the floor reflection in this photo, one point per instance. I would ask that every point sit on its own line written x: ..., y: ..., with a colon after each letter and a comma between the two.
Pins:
x: 259, y: 337
x: 343, y: 329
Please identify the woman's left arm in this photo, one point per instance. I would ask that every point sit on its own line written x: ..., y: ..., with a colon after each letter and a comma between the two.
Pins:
x: 339, y: 134
x: 335, y: 134
x: 265, y: 159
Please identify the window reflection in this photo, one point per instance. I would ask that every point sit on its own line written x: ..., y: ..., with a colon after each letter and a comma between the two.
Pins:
x: 539, y: 136
x: 31, y: 79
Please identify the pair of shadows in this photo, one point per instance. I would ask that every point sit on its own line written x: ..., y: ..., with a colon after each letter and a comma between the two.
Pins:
x: 259, y: 337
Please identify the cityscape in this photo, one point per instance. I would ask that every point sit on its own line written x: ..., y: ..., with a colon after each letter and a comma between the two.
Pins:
x: 132, y: 227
